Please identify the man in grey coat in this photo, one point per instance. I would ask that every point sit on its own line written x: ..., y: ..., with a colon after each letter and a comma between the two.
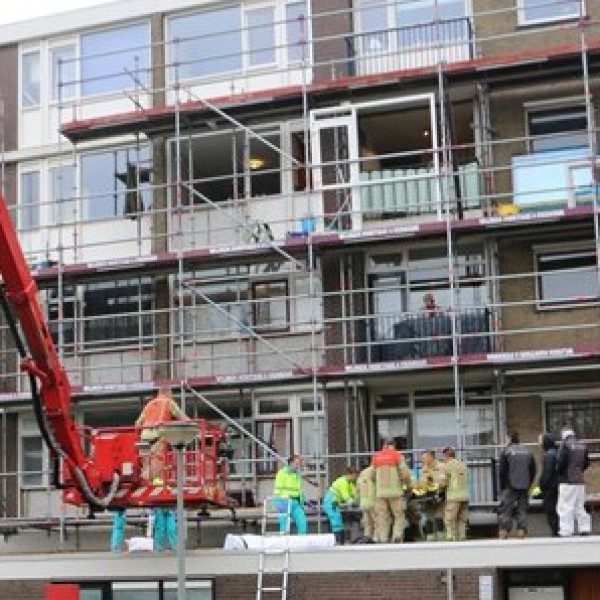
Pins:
x: 517, y: 472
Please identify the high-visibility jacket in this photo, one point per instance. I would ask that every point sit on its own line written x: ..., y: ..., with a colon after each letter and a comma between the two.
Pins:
x: 456, y: 481
x: 387, y: 456
x: 432, y: 476
x: 366, y: 488
x: 391, y: 480
x: 161, y: 409
x: 288, y: 484
x: 343, y: 490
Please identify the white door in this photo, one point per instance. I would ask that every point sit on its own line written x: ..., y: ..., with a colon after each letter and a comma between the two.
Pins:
x: 336, y: 169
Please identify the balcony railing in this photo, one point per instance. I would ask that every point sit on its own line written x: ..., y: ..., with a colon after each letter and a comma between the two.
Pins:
x: 430, y: 335
x: 410, y: 47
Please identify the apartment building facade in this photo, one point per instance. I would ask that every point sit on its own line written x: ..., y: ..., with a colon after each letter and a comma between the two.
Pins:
x: 248, y: 202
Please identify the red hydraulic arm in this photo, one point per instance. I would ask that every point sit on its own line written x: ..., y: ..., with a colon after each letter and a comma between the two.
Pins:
x: 112, y: 475
x: 44, y: 363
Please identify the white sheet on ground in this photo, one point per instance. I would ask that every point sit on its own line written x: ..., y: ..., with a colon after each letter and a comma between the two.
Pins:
x: 278, y: 542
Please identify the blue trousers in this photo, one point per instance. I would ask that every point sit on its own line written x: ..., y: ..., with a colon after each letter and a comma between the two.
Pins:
x: 165, y: 529
x: 298, y: 516
x: 333, y: 513
x: 117, y: 538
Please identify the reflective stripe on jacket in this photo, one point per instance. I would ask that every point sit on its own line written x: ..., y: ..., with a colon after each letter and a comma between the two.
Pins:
x: 366, y: 488
x: 457, y: 481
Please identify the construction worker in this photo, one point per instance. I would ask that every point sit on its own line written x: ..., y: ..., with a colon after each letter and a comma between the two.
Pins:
x: 161, y: 409
x: 517, y: 473
x: 455, y: 483
x: 288, y: 491
x: 165, y: 532
x: 117, y: 539
x: 432, y: 476
x: 342, y: 492
x: 392, y: 478
x: 572, y: 461
x: 548, y: 484
x: 365, y: 485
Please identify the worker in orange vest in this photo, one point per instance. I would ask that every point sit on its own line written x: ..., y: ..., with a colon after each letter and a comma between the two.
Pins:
x: 392, y: 479
x: 161, y: 409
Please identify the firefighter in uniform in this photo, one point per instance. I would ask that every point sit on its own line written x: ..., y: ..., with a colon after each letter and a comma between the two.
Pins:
x: 431, y: 478
x: 342, y: 492
x: 288, y: 489
x: 392, y: 478
x: 455, y: 482
x: 366, y: 496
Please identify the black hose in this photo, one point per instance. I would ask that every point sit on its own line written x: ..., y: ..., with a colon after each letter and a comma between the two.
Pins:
x: 41, y: 419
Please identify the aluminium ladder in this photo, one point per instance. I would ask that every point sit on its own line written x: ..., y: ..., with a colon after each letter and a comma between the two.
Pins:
x: 274, y: 563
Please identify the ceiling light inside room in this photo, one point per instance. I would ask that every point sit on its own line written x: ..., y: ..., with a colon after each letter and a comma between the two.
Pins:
x: 256, y: 162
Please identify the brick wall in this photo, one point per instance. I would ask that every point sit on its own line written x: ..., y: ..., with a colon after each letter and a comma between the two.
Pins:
x: 390, y: 585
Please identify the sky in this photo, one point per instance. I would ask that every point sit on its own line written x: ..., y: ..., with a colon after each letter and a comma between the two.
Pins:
x: 21, y: 10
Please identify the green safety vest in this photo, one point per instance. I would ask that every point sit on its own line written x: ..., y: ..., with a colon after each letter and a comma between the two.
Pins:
x: 343, y: 489
x: 288, y: 484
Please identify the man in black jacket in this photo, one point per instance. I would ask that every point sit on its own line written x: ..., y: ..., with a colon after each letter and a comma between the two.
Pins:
x: 517, y: 472
x: 549, y: 481
x: 572, y: 460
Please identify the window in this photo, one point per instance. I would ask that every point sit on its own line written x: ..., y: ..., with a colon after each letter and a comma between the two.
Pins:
x: 261, y: 36
x: 270, y: 305
x: 118, y: 312
x: 557, y: 128
x: 116, y: 183
x: 115, y: 59
x: 61, y: 317
x: 63, y: 205
x: 62, y: 59
x: 29, y: 210
x: 217, y: 308
x: 277, y: 434
x: 205, y: 43
x: 296, y: 31
x: 539, y: 11
x: 30, y: 79
x: 33, y: 456
x: 582, y: 415
x: 566, y: 276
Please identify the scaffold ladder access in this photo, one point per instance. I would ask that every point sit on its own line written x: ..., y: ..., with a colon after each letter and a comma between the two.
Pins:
x: 274, y: 559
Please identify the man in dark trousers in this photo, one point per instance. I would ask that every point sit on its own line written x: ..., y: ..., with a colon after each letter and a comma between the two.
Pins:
x: 517, y: 472
x: 549, y: 480
x: 572, y: 460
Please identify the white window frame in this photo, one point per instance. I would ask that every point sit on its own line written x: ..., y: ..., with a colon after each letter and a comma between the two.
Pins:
x: 28, y: 429
x: 40, y: 100
x: 22, y: 208
x: 522, y: 20
x: 247, y: 63
x: 557, y: 249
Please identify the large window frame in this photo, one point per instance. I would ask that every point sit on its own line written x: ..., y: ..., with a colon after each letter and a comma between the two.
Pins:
x: 263, y: 35
x: 529, y: 11
x: 34, y: 460
x: 556, y: 126
x: 582, y: 414
x: 115, y: 66
x: 566, y: 265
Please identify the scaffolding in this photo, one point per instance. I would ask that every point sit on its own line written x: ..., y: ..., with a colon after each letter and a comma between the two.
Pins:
x: 272, y: 233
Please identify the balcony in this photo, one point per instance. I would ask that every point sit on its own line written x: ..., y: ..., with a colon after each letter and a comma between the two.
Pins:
x: 414, y: 47
x: 426, y: 336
